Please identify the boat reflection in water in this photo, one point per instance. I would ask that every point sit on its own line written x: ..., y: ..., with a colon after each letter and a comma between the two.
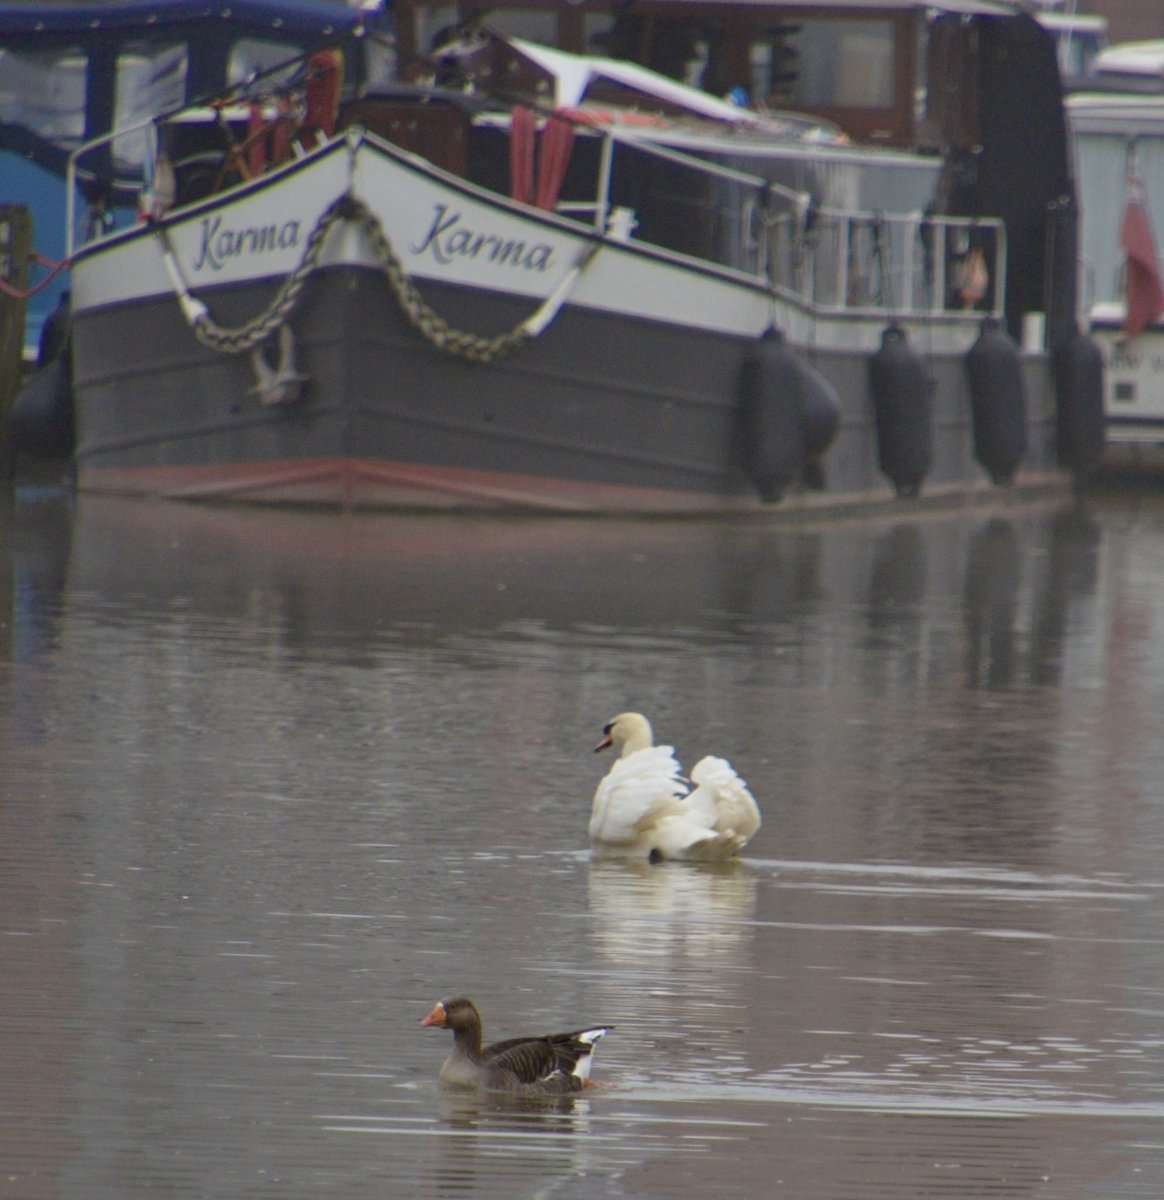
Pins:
x: 272, y: 780
x: 385, y: 578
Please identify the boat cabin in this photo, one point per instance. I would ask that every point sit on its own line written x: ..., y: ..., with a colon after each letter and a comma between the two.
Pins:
x: 893, y: 106
x: 860, y: 66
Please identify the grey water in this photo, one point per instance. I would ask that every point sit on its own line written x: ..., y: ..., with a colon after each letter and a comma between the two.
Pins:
x: 272, y: 783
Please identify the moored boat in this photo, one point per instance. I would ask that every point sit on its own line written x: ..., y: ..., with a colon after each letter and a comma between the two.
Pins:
x: 519, y: 277
x: 1119, y: 144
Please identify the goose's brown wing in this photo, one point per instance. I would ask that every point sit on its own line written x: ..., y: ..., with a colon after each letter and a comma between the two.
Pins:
x: 521, y: 1062
x: 549, y: 1063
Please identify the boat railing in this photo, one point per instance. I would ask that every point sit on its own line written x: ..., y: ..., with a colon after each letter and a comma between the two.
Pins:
x: 72, y: 173
x: 911, y: 264
x: 834, y: 260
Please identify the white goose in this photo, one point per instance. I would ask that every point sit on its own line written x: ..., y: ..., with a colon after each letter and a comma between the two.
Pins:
x: 643, y: 809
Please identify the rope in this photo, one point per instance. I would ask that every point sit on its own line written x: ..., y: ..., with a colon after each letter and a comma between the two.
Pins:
x: 433, y: 327
x: 27, y: 293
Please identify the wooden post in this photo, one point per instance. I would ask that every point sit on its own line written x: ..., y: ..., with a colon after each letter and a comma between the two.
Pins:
x: 15, y: 249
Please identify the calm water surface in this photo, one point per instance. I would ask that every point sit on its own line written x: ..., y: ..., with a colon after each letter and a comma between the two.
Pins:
x: 272, y: 783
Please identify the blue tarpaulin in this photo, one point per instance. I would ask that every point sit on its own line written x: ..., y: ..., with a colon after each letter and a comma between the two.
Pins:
x: 295, y: 17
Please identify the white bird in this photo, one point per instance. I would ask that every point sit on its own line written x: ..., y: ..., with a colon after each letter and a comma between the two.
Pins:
x: 643, y: 808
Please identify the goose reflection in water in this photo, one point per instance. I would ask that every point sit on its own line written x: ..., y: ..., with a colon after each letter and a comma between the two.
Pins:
x: 550, y: 1139
x: 465, y: 1109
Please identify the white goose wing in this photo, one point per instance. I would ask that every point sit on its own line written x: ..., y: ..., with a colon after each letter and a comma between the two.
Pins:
x: 721, y: 799
x: 632, y: 790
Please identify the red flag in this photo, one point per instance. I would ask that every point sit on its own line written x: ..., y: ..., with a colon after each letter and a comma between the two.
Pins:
x: 1145, y: 295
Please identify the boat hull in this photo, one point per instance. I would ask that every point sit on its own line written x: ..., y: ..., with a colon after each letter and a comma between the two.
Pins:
x: 628, y: 401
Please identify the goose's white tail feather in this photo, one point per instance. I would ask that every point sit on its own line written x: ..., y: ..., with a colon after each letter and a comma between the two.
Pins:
x: 591, y: 1038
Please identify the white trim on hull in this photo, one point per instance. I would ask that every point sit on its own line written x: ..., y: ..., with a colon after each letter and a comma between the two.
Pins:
x: 445, y: 230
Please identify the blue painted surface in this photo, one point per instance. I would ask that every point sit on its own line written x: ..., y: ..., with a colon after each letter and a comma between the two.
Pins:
x: 43, y: 192
x: 32, y: 168
x: 295, y: 17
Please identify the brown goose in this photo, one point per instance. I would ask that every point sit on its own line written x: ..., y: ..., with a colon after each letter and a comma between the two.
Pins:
x: 556, y: 1064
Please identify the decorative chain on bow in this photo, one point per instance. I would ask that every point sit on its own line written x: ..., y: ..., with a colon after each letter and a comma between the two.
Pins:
x: 433, y: 327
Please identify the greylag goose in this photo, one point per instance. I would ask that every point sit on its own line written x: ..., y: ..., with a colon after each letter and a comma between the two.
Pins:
x: 643, y: 807
x: 556, y: 1064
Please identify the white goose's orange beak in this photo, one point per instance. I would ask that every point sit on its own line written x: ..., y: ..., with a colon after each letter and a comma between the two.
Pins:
x: 438, y: 1016
x: 606, y: 741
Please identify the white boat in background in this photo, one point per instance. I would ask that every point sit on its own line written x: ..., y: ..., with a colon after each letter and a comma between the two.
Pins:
x: 1119, y: 145
x: 1135, y: 68
x: 516, y: 277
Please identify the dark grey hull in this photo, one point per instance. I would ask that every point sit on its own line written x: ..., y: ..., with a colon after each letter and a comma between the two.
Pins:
x: 599, y: 413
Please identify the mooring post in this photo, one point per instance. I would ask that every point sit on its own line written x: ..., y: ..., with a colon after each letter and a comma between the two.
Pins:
x: 15, y: 251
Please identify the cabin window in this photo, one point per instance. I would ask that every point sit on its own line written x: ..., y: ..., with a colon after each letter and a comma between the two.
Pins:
x: 814, y: 64
x: 250, y: 57
x: 45, y: 93
x: 380, y: 63
x: 1078, y: 52
x: 682, y: 50
x: 433, y: 22
x: 150, y: 80
x: 531, y: 24
x: 597, y: 33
